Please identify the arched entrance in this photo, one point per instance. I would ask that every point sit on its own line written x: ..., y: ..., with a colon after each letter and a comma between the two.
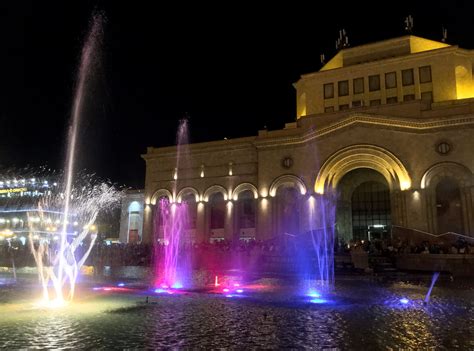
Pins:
x: 448, y: 190
x: 448, y: 207
x: 217, y: 210
x: 288, y: 212
x: 134, y: 222
x: 189, y: 201
x: 363, y: 207
x: 246, y: 215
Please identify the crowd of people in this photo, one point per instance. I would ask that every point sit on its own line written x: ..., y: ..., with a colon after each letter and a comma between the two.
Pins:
x: 138, y: 254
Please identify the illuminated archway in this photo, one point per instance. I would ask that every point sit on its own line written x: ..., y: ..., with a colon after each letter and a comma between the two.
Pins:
x: 446, y: 170
x: 440, y: 208
x: 287, y: 180
x: 187, y: 191
x: 214, y: 189
x: 159, y: 194
x: 244, y: 187
x: 362, y: 156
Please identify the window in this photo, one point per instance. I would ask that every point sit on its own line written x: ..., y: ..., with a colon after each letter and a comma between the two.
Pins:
x: 374, y: 83
x: 425, y: 74
x: 343, y: 107
x: 375, y: 102
x: 443, y: 148
x: 390, y: 80
x: 407, y: 77
x: 370, y: 209
x: 409, y: 97
x: 329, y: 90
x: 357, y: 103
x: 343, y: 88
x: 427, y: 96
x: 392, y: 100
x: 358, y: 85
x: 329, y: 109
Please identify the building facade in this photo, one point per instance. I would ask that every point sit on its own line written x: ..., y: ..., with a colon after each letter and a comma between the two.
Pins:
x: 384, y: 134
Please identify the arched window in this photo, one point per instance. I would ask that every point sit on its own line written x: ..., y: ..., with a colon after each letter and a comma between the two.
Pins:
x: 218, y: 208
x: 246, y: 209
x: 134, y: 222
x: 159, y: 211
x: 448, y: 207
x: 288, y: 199
x: 190, y: 202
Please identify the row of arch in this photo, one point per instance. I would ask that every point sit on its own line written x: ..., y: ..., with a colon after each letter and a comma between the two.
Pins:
x: 331, y: 173
x: 287, y: 179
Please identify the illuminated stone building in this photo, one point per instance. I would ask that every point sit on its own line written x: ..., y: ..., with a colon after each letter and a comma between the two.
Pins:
x: 387, y: 126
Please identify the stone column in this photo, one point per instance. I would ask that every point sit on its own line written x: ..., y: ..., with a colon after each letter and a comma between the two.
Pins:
x: 229, y: 220
x: 148, y: 212
x: 264, y: 218
x: 201, y: 230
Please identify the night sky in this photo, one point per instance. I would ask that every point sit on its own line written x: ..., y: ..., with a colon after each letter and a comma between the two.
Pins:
x: 228, y: 67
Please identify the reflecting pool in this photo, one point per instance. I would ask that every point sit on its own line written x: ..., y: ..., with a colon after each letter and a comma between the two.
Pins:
x: 363, y: 312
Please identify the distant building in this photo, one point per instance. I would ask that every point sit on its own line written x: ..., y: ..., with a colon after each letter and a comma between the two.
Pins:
x: 387, y: 126
x: 131, y: 217
x: 19, y: 198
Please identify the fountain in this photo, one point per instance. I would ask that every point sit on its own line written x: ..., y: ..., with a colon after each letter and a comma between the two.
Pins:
x: 172, y: 254
x: 433, y: 281
x: 58, y: 259
x: 321, y: 217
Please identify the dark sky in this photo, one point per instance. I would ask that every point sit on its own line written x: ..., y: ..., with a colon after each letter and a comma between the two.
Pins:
x: 228, y: 66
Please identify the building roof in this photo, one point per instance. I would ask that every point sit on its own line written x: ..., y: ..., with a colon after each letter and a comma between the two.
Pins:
x: 382, y: 50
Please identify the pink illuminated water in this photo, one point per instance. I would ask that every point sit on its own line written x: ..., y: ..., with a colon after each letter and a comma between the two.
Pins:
x: 172, y: 244
x: 172, y: 252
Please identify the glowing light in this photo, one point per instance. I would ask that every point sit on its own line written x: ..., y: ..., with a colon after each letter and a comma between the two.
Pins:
x: 216, y: 281
x: 177, y: 285
x: 404, y: 301
x: 236, y: 284
x: 416, y: 195
x: 405, y: 185
x: 314, y: 294
x: 240, y: 291
x: 225, y: 290
x: 121, y: 284
x: 318, y: 301
x: 56, y: 303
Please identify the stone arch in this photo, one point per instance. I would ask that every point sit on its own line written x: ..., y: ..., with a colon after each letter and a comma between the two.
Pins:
x: 287, y: 179
x: 215, y: 189
x: 244, y: 187
x: 464, y: 179
x: 185, y: 191
x: 161, y: 193
x: 453, y: 170
x: 362, y: 156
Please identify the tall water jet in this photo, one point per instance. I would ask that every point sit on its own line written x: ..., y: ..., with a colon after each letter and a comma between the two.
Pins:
x: 320, y: 249
x: 64, y: 266
x: 172, y: 242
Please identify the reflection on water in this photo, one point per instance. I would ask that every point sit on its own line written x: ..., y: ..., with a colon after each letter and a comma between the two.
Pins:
x: 363, y: 314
